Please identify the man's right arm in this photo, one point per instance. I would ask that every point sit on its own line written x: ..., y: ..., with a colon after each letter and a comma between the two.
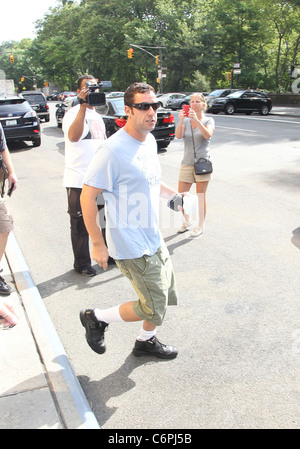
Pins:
x: 77, y: 127
x: 89, y: 212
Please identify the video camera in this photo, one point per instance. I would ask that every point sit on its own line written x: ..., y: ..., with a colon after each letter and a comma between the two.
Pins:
x: 96, y: 98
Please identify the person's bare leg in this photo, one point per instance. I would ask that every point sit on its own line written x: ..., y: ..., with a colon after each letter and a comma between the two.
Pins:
x: 3, y: 242
x: 201, y: 188
x: 127, y: 314
x: 184, y: 187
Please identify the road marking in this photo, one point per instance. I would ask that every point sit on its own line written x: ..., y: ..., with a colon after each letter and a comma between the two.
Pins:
x: 238, y: 129
x: 260, y: 119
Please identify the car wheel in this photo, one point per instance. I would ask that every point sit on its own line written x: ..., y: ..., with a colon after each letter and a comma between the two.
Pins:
x: 36, y: 142
x: 47, y: 119
x: 160, y: 104
x: 264, y: 110
x: 59, y: 122
x: 229, y: 109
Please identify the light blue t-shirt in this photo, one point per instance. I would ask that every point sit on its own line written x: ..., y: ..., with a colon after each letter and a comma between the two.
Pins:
x: 129, y: 173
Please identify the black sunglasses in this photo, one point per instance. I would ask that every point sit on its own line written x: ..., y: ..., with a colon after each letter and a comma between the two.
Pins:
x: 145, y: 106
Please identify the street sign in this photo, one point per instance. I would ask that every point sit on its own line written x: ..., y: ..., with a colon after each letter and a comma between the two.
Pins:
x: 237, y: 71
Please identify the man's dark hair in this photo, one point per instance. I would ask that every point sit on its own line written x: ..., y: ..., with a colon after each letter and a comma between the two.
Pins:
x: 84, y: 77
x: 136, y: 88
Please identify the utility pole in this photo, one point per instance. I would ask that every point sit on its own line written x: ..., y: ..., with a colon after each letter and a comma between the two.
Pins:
x: 160, y: 26
x: 143, y: 48
x: 33, y: 78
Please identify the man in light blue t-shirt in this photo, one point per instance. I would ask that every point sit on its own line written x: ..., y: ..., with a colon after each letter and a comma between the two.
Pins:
x: 127, y: 171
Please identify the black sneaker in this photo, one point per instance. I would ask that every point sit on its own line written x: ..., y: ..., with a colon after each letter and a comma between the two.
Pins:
x: 94, y: 330
x: 5, y: 289
x: 90, y: 271
x: 154, y: 347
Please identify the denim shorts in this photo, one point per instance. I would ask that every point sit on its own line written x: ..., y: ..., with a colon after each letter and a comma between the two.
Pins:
x: 154, y: 282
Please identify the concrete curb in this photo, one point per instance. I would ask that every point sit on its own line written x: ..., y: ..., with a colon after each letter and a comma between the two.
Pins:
x: 70, y: 400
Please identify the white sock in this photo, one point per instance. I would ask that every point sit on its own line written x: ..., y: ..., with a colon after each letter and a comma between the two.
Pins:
x: 145, y: 335
x: 111, y: 315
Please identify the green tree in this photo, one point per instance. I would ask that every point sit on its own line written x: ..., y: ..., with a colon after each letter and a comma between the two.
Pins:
x: 198, y: 41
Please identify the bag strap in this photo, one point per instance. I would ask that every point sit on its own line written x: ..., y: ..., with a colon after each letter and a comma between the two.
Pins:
x: 203, y: 158
x: 193, y: 141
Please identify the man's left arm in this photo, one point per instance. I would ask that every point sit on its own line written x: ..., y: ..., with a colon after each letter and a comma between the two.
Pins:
x: 166, y: 191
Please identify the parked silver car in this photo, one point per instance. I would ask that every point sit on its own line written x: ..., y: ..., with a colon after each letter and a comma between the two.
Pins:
x: 163, y: 98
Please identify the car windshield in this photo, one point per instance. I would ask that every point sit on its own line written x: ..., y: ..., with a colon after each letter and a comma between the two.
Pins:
x: 112, y: 107
x: 215, y: 93
x: 235, y: 94
x: 119, y: 106
x: 34, y: 97
x: 18, y: 104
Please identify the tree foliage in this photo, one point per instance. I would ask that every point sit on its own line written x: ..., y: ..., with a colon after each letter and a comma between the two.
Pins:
x: 199, y: 39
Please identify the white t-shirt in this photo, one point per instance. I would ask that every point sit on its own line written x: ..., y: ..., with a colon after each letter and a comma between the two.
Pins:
x: 129, y: 173
x: 79, y: 154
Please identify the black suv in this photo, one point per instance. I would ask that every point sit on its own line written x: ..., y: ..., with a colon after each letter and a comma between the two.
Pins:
x: 38, y: 103
x: 246, y: 101
x: 19, y: 120
x: 214, y: 96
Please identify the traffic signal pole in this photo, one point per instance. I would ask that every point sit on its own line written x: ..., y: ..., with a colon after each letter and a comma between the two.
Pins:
x: 143, y: 48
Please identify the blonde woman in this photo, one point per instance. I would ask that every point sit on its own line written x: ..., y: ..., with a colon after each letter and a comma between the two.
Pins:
x: 196, y: 129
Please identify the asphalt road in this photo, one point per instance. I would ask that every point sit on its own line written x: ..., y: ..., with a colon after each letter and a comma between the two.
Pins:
x: 237, y: 325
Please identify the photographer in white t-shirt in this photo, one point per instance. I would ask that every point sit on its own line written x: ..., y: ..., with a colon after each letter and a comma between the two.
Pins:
x: 84, y: 130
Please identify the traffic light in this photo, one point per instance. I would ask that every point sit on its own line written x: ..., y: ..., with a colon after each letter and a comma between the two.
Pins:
x: 11, y: 58
x: 157, y: 59
x: 130, y: 53
x: 22, y: 79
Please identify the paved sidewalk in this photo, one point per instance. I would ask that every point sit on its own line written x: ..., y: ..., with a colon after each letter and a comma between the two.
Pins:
x: 287, y: 111
x: 38, y: 388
